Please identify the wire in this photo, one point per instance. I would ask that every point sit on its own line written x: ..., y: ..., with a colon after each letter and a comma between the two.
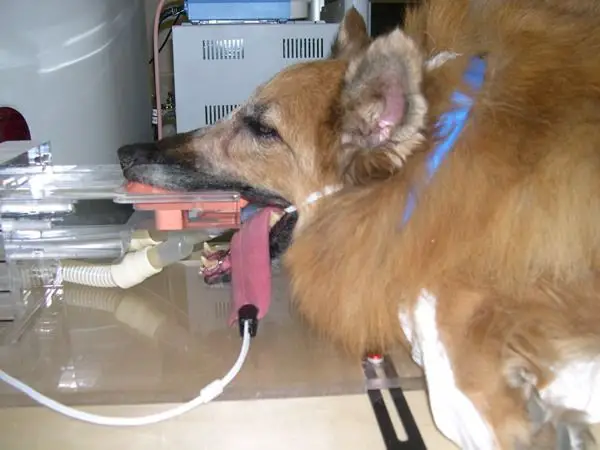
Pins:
x: 170, y: 11
x: 158, y: 14
x: 164, y: 43
x: 160, y: 5
x: 209, y: 393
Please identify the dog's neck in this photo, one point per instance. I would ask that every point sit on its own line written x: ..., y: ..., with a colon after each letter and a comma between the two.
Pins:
x: 314, y: 196
x: 304, y: 207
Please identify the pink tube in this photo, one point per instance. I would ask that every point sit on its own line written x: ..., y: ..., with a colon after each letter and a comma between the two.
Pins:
x: 251, y: 265
x: 159, y: 7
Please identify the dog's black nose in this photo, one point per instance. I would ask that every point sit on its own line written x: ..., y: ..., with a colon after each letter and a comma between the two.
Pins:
x: 146, y: 150
x: 125, y: 152
x: 141, y: 153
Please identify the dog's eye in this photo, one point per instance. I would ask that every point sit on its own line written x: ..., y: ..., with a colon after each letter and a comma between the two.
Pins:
x: 260, y: 129
x: 267, y: 131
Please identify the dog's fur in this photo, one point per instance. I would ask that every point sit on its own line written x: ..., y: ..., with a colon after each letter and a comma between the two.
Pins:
x: 506, y: 235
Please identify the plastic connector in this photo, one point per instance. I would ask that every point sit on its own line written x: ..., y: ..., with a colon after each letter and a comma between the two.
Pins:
x: 248, y: 313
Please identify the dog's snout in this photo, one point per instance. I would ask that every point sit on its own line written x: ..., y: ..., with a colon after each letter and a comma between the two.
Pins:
x: 137, y: 153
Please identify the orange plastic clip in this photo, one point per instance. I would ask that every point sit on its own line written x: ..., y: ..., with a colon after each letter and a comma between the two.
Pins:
x: 176, y: 216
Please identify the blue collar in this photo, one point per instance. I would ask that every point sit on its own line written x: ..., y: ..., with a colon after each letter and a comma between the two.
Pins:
x: 450, y: 126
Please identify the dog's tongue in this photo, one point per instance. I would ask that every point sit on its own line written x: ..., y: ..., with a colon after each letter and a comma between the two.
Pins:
x: 251, y: 264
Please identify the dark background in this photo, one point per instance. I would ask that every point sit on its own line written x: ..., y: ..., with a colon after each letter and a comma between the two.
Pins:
x: 386, y: 15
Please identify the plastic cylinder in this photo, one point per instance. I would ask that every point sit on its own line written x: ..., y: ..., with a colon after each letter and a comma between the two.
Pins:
x: 170, y: 251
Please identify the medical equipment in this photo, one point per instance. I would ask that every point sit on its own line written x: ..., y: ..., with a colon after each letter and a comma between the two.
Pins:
x: 255, y: 38
x: 208, y: 61
x: 71, y: 223
x: 61, y: 224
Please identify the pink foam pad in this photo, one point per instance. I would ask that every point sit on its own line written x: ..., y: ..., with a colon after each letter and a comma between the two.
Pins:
x: 139, y: 188
x: 169, y: 216
x: 251, y: 265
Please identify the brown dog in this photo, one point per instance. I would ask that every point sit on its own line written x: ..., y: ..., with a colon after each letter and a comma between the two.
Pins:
x: 492, y: 281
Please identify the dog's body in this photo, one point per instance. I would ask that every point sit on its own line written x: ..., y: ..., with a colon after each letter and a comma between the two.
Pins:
x: 493, y: 281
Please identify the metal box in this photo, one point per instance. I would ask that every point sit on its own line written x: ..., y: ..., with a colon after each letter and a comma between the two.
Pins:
x: 217, y: 67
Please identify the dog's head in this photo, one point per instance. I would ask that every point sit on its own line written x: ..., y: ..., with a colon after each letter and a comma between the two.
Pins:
x: 301, y: 130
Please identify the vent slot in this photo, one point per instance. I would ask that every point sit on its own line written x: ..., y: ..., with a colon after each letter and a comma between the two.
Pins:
x: 222, y: 49
x: 303, y: 48
x: 214, y: 113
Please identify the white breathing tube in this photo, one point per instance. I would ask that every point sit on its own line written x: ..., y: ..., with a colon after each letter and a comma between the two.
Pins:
x: 209, y: 393
x: 148, y: 258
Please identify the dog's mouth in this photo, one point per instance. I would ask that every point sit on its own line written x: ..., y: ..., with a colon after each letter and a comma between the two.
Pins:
x: 149, y: 164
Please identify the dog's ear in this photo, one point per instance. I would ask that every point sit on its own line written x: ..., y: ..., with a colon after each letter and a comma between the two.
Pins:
x: 352, y: 37
x: 383, y: 108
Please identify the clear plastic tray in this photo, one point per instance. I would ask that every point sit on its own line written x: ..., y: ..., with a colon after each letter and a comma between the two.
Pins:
x: 215, y: 200
x: 84, y: 182
x: 41, y: 183
x: 46, y: 190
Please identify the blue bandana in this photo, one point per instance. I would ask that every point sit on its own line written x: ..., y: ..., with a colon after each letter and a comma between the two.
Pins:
x: 450, y: 126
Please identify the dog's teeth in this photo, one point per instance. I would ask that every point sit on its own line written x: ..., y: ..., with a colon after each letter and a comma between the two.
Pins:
x: 274, y: 219
x: 207, y: 263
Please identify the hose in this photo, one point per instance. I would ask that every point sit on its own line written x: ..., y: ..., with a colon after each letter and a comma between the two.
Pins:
x: 133, y: 269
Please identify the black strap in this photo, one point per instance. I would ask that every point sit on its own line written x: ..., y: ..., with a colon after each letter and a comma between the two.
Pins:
x: 382, y: 415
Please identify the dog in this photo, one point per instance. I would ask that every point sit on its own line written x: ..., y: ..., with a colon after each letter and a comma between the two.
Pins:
x: 486, y: 267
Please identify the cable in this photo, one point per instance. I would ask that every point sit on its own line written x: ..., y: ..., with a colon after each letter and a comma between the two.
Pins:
x: 170, y: 11
x: 166, y: 39
x: 159, y: 8
x: 209, y: 393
